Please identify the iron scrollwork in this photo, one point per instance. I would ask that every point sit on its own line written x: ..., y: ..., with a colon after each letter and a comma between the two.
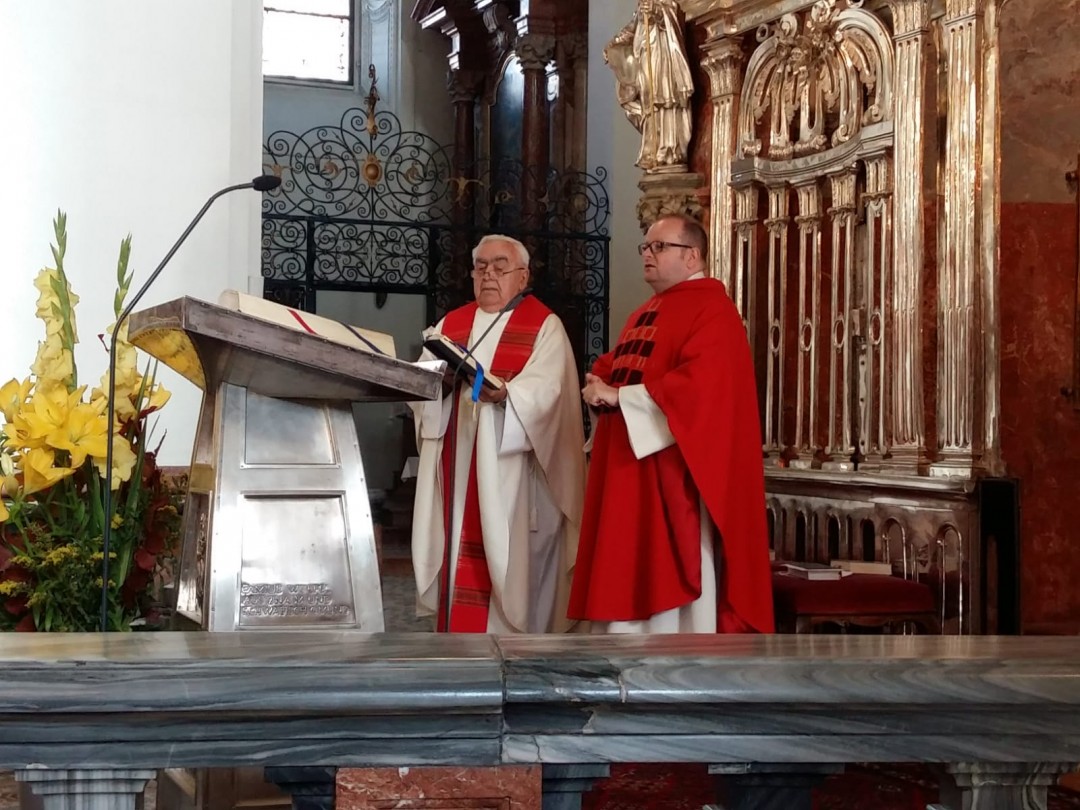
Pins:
x: 366, y: 206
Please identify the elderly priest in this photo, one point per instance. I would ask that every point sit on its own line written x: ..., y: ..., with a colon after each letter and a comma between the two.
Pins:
x: 510, y: 449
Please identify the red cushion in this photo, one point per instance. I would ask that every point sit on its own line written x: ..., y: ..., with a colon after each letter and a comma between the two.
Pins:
x: 858, y: 594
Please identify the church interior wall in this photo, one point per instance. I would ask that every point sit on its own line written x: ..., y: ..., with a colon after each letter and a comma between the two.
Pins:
x: 410, y: 66
x: 128, y: 145
x: 1040, y: 427
x: 612, y: 144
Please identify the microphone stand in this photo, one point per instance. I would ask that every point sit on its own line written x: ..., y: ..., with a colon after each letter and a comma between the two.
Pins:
x: 262, y: 183
x: 448, y: 556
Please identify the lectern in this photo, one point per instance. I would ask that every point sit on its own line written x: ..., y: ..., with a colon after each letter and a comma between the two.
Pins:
x: 277, y: 530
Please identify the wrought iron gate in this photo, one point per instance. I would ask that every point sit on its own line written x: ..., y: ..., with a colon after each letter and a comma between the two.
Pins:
x: 367, y: 207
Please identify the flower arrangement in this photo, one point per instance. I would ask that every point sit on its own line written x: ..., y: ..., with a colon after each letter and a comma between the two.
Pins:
x: 53, y: 450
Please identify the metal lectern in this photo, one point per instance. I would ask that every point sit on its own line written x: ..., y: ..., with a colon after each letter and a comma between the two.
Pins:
x: 277, y: 530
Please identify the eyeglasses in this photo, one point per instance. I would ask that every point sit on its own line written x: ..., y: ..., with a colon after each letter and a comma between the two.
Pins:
x: 497, y: 268
x: 657, y: 247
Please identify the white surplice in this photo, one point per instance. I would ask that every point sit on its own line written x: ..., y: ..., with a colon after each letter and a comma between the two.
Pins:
x: 530, y: 479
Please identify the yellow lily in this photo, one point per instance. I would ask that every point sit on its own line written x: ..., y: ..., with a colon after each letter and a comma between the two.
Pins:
x: 124, y: 459
x: 83, y: 433
x: 39, y: 472
x: 12, y: 396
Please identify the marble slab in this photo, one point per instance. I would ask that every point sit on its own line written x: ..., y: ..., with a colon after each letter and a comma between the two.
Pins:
x: 351, y: 699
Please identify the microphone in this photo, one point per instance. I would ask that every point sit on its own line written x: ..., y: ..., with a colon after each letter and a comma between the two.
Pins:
x: 445, y: 594
x: 265, y: 182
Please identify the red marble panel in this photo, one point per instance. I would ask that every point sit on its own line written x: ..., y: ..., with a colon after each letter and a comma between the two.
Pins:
x: 1040, y: 429
x: 446, y: 788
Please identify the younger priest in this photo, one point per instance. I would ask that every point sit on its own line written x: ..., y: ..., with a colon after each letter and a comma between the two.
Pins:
x: 674, y: 536
x: 514, y: 457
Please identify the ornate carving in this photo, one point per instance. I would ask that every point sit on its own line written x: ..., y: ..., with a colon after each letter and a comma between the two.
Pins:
x: 910, y: 17
x: 535, y: 51
x: 669, y: 194
x: 500, y: 22
x: 464, y: 86
x: 837, y: 65
x: 723, y: 65
x: 572, y: 51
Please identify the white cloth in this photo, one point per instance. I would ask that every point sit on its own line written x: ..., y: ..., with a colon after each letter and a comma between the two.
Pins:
x: 649, y: 433
x: 530, y: 479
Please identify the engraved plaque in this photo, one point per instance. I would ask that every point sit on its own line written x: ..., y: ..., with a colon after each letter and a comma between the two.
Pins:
x: 294, y: 567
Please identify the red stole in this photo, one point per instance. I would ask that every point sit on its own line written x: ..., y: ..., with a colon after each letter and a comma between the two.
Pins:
x: 472, y: 581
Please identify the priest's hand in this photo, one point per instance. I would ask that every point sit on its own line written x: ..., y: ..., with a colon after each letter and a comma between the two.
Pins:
x: 598, y: 393
x: 493, y: 396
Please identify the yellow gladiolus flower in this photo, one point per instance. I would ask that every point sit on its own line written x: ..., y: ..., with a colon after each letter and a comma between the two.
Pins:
x: 83, y: 433
x: 48, y: 411
x: 39, y: 472
x: 53, y: 364
x: 124, y: 459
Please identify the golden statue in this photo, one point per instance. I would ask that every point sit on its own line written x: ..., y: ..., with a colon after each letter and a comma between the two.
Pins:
x: 654, y: 84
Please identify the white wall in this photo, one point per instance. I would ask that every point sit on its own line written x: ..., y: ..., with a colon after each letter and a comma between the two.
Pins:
x: 613, y: 143
x: 411, y: 68
x: 127, y: 115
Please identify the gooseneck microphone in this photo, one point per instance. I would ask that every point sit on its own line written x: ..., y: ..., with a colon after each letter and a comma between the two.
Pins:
x: 265, y: 182
x: 446, y: 593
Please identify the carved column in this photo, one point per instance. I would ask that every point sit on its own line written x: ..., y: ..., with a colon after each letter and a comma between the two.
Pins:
x: 776, y: 226
x: 998, y: 786
x: 86, y: 789
x: 878, y: 344
x: 838, y: 340
x: 809, y: 326
x: 571, y: 63
x: 723, y: 63
x: 960, y: 352
x: 464, y: 87
x: 906, y: 439
x: 534, y: 51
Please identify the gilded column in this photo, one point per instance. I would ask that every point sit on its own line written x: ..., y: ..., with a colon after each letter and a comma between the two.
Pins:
x: 724, y: 64
x: 960, y: 352
x: 905, y: 440
x: 535, y: 52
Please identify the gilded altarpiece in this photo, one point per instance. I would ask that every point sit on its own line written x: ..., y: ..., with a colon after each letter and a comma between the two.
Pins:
x: 848, y: 140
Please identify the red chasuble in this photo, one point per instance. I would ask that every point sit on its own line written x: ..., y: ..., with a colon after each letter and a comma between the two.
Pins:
x: 640, y: 547
x: 472, y: 581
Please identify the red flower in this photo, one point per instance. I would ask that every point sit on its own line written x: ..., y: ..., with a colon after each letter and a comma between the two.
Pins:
x: 26, y: 625
x: 16, y: 606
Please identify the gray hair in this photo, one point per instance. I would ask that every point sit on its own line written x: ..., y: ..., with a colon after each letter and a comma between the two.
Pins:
x: 520, y: 249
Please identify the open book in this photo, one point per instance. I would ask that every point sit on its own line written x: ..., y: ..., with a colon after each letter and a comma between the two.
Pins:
x: 445, y: 349
x: 814, y: 571
x: 352, y: 336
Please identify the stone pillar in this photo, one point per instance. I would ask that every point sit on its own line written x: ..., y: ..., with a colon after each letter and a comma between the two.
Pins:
x: 962, y: 267
x: 906, y: 437
x: 768, y: 787
x: 311, y: 788
x: 86, y: 789
x: 564, y: 785
x: 998, y: 786
x: 535, y: 52
x: 724, y: 65
x: 571, y: 64
x: 463, y: 87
